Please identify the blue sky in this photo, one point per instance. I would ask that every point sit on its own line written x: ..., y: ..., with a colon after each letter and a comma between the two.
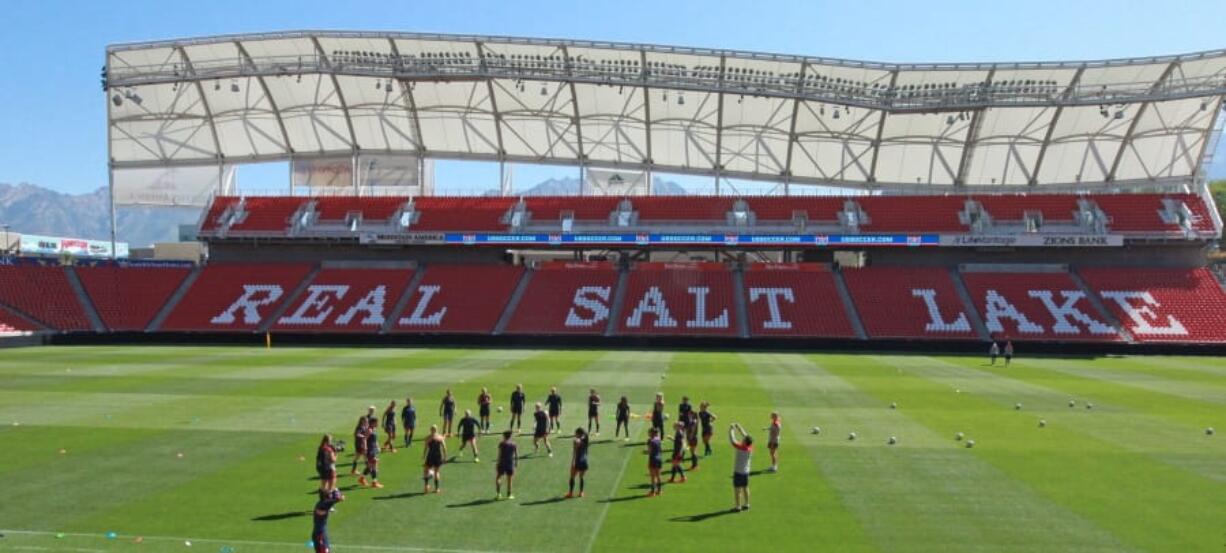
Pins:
x: 52, y: 109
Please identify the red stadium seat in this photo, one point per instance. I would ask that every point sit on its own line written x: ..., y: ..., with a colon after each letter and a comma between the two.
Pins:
x: 794, y: 299
x: 10, y: 322
x: 912, y: 213
x: 549, y: 209
x: 268, y: 215
x: 44, y: 294
x: 1013, y: 207
x: 566, y: 298
x: 373, y: 208
x: 460, y: 214
x: 1134, y: 212
x: 679, y: 299
x: 346, y: 300
x: 682, y: 208
x: 908, y: 302
x: 465, y: 299
x: 1163, y: 305
x: 1036, y: 306
x: 768, y: 208
x: 212, y: 218
x: 127, y: 298
x: 235, y: 296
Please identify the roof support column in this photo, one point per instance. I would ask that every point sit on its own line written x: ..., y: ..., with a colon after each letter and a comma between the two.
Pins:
x: 489, y: 86
x: 872, y: 167
x: 972, y: 134
x: 719, y: 123
x: 792, y: 138
x: 204, y: 102
x: 1132, y: 126
x: 650, y: 162
x: 340, y: 96
x: 406, y: 91
x: 1051, y: 126
x: 272, y: 102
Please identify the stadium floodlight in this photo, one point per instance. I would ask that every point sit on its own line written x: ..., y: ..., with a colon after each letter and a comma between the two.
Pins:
x: 1119, y: 114
x: 234, y: 86
x: 388, y: 87
x: 544, y: 91
x: 117, y: 100
x: 680, y: 99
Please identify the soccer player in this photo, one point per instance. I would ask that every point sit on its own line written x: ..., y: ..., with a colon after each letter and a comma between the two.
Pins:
x: 554, y: 401
x: 372, y: 459
x: 706, y: 417
x: 433, y: 453
x: 578, y: 461
x: 508, y: 460
x: 993, y: 352
x: 323, y: 508
x: 484, y: 399
x: 517, y: 407
x: 389, y: 426
x: 691, y: 437
x: 684, y: 408
x: 359, y: 442
x: 655, y: 461
x: 469, y: 427
x: 623, y: 418
x: 772, y: 442
x: 541, y: 432
x: 446, y: 409
x: 1008, y: 352
x: 657, y: 414
x: 678, y: 452
x: 408, y: 418
x: 325, y: 464
x: 740, y: 467
x: 593, y: 410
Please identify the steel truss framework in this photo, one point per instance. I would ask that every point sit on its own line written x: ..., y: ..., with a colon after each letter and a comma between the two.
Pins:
x: 791, y: 119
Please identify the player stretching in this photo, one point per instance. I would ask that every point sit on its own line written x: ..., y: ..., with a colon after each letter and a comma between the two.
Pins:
x: 691, y: 437
x: 740, y: 468
x: 468, y: 435
x: 359, y: 442
x: 678, y: 453
x: 554, y: 401
x: 389, y: 426
x: 657, y: 414
x: 323, y: 508
x: 325, y: 464
x: 541, y: 432
x: 484, y: 399
x: 578, y: 461
x: 706, y: 417
x: 623, y: 418
x: 508, y: 460
x: 372, y: 459
x: 655, y: 461
x: 408, y: 418
x: 772, y: 442
x: 446, y: 409
x: 593, y: 410
x: 517, y: 407
x: 434, y: 453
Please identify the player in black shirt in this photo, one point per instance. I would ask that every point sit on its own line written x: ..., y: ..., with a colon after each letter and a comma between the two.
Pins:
x: 657, y: 415
x: 705, y: 418
x: 541, y: 431
x: 359, y: 442
x: 654, y: 461
x: 389, y: 426
x: 578, y: 461
x: 593, y: 410
x: 446, y: 409
x: 554, y: 401
x: 623, y: 418
x: 372, y: 459
x: 517, y: 407
x: 323, y: 508
x: 433, y: 454
x: 508, y: 460
x: 469, y: 427
x: 691, y: 437
x: 678, y: 453
x: 325, y: 464
x: 484, y: 399
x: 408, y: 418
x: 684, y: 408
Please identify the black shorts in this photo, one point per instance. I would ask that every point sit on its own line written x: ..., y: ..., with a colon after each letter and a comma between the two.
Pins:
x: 485, y: 410
x: 449, y: 416
x: 740, y: 480
x: 517, y: 410
x: 433, y: 462
x: 772, y: 445
x: 655, y: 463
x: 554, y: 414
x: 359, y: 449
x: 540, y: 434
x: 1008, y: 357
x: 623, y: 420
x: 506, y: 470
x: 707, y: 432
x: 593, y: 413
x: 389, y: 429
x: 678, y: 458
x: 467, y: 437
x: 692, y: 440
x: 581, y: 464
x: 372, y: 456
x: 327, y: 473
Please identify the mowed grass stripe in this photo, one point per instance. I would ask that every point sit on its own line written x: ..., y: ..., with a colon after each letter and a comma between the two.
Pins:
x: 1125, y: 492
x: 921, y: 493
x: 1135, y: 373
x: 280, y: 470
x: 697, y: 514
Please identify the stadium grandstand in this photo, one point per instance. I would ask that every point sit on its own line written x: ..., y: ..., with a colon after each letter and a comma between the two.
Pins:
x: 1053, y: 202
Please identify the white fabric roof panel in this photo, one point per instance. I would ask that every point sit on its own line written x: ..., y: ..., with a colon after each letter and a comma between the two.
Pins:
x: 748, y: 115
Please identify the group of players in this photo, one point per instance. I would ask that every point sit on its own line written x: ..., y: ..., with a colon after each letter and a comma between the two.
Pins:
x: 691, y: 424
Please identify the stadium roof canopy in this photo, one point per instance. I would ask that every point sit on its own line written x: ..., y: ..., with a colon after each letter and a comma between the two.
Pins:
x: 276, y: 96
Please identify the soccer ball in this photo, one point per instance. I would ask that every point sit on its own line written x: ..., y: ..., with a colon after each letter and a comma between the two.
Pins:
x: 1017, y: 407
x: 893, y: 440
x: 894, y: 405
x: 970, y: 444
x: 499, y: 408
x: 1209, y: 431
x: 851, y: 436
x: 665, y: 416
x: 1072, y: 403
x: 958, y: 436
x: 1042, y: 424
x: 817, y: 430
x: 1089, y: 406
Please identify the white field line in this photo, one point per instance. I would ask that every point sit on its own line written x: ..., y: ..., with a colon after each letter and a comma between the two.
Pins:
x: 285, y: 544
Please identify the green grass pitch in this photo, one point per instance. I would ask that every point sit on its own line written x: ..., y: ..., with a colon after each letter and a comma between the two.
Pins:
x: 92, y: 438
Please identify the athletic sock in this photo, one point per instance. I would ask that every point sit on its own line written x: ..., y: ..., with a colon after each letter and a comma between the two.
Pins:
x: 580, y: 484
x: 572, y: 485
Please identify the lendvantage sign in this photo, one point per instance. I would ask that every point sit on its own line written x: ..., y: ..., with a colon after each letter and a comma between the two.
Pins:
x: 1034, y: 240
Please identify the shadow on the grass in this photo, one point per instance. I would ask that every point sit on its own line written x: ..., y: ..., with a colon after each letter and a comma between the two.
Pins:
x: 473, y: 503
x: 621, y: 499
x: 348, y: 488
x: 281, y: 516
x: 405, y: 495
x: 556, y: 499
x: 702, y: 516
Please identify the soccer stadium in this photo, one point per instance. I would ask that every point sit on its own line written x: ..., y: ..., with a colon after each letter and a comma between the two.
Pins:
x: 985, y: 298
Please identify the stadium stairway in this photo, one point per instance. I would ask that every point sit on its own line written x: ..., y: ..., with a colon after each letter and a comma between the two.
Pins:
x: 290, y: 300
x: 738, y: 302
x: 853, y: 314
x: 19, y: 321
x: 402, y: 303
x: 87, y: 304
x: 619, y: 297
x: 156, y: 323
x: 513, y: 303
x: 1101, y: 307
x: 968, y: 306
